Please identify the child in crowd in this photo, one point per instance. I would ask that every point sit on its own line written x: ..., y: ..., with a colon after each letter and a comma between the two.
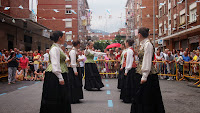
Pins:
x: 39, y: 74
x: 19, y: 74
x: 29, y: 75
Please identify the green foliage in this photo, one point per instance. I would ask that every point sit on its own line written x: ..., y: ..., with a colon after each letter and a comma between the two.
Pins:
x: 102, y: 44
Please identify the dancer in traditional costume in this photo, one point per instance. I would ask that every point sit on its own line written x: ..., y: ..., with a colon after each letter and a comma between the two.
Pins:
x: 121, y: 70
x: 92, y: 76
x: 75, y: 75
x: 148, y: 98
x: 127, y: 90
x: 55, y: 95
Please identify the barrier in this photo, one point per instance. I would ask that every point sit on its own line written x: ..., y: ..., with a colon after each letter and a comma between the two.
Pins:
x: 3, y: 69
x: 163, y: 67
x: 191, y: 70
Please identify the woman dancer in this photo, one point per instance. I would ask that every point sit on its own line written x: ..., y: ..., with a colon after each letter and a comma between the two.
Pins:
x: 127, y: 91
x: 75, y: 76
x: 148, y: 97
x: 55, y: 96
x: 92, y: 76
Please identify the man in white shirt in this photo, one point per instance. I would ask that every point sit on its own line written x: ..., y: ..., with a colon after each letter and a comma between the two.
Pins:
x: 46, y: 57
x: 81, y: 59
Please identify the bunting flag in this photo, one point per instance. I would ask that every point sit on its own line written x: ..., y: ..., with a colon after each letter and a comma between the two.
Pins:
x: 161, y: 4
x: 33, y: 12
x: 21, y: 7
x: 56, y: 10
x: 73, y: 11
x: 6, y: 8
x: 108, y: 11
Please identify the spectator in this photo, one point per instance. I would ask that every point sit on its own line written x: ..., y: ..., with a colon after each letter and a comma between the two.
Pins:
x: 36, y: 60
x: 46, y: 56
x: 196, y: 57
x: 12, y: 67
x: 6, y: 56
x: 198, y: 48
x: 0, y: 54
x: 174, y: 53
x: 41, y: 53
x: 181, y: 52
x: 179, y: 60
x: 18, y: 55
x: 116, y: 53
x: 81, y: 60
x: 170, y: 64
x: 23, y: 62
x: 29, y: 75
x: 186, y: 58
x: 19, y: 74
x: 36, y: 54
x: 39, y: 74
x: 158, y: 64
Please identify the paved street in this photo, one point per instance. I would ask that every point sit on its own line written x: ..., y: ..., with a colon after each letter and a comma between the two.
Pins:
x: 179, y: 97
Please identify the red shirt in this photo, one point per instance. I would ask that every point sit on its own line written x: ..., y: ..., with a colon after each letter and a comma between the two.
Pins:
x: 23, y: 62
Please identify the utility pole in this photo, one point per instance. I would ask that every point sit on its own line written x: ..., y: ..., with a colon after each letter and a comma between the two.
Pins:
x: 186, y: 15
x: 154, y: 23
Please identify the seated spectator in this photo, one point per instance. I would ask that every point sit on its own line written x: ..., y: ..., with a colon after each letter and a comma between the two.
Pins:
x: 39, y: 74
x: 170, y: 64
x: 29, y: 75
x: 19, y: 74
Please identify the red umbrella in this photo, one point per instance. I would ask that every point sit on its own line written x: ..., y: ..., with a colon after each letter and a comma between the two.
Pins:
x: 113, y: 45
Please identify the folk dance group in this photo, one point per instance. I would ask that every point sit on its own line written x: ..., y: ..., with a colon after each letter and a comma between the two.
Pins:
x: 139, y: 84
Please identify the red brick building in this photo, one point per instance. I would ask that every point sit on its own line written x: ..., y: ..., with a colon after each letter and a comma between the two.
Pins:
x: 69, y: 16
x: 139, y: 13
x: 19, y: 28
x: 179, y: 24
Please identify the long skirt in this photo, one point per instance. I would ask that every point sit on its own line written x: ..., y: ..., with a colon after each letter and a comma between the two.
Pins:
x: 127, y: 90
x: 120, y: 76
x: 148, y: 98
x: 75, y: 85
x: 92, y: 77
x: 55, y: 97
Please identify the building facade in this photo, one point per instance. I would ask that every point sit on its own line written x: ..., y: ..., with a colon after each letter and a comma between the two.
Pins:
x: 179, y: 24
x: 69, y: 16
x: 19, y: 28
x: 139, y: 13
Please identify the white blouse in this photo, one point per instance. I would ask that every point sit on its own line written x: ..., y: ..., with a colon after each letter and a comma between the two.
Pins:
x: 72, y: 55
x: 129, y: 60
x: 87, y: 51
x: 55, y: 60
x: 124, y: 51
x: 147, y: 58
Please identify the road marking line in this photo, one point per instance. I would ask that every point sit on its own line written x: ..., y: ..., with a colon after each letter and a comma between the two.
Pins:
x: 3, y: 94
x: 110, y: 103
x: 108, y: 92
x: 22, y: 87
x: 107, y: 85
x: 37, y: 82
x: 106, y: 80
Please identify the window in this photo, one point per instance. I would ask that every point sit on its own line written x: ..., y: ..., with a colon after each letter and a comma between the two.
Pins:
x: 169, y: 1
x: 68, y: 23
x: 169, y: 31
x: 138, y: 18
x: 193, y: 12
x: 175, y: 1
x: 160, y: 29
x: 68, y: 9
x: 175, y: 23
x: 68, y: 36
x: 182, y: 17
x: 169, y: 16
x: 165, y: 7
x: 160, y: 11
x: 165, y: 27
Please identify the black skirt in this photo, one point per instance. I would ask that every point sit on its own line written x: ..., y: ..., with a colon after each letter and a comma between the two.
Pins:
x: 127, y: 90
x: 120, y: 76
x: 75, y: 85
x: 92, y: 77
x: 148, y: 98
x: 55, y: 97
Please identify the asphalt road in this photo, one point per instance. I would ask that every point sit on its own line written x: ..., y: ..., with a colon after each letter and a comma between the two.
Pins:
x: 25, y: 97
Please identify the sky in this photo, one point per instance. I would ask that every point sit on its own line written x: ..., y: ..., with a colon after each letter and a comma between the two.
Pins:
x: 116, y: 9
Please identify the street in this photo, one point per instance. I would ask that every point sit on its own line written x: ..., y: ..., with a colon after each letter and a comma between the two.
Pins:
x: 178, y: 97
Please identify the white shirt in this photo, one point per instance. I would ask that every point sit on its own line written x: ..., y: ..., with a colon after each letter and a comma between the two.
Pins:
x: 81, y: 62
x: 129, y: 60
x: 72, y: 55
x: 46, y: 57
x: 87, y: 51
x: 55, y: 60
x: 147, y: 58
x: 124, y: 51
